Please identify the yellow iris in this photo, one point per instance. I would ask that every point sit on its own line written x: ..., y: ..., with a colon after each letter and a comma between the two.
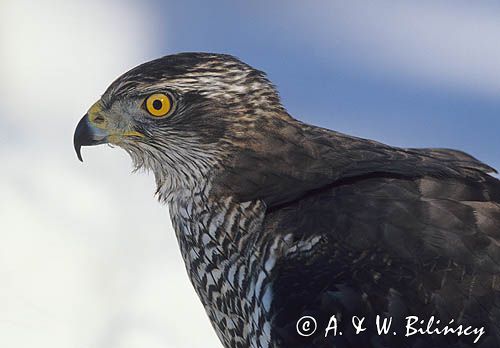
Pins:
x: 158, y: 104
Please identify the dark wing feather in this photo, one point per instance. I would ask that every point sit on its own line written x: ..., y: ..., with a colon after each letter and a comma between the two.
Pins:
x: 391, y: 246
x: 287, y: 159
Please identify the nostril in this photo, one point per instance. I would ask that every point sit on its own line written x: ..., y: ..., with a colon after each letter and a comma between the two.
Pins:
x: 99, y: 119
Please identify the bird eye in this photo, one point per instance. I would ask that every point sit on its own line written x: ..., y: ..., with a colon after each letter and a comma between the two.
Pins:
x: 158, y: 104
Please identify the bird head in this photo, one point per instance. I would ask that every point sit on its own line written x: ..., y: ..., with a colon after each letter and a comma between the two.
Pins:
x: 182, y: 116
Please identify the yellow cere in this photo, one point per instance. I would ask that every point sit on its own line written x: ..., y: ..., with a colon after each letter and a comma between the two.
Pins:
x: 93, y: 112
x: 158, y: 104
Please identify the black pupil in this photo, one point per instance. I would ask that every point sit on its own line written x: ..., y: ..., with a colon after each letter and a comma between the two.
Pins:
x: 157, y: 104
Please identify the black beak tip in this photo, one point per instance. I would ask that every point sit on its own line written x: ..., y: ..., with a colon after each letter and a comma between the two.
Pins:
x: 87, y: 135
x: 81, y: 134
x: 78, y: 150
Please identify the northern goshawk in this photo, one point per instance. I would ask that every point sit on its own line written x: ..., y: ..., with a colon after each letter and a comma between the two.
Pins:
x: 279, y: 220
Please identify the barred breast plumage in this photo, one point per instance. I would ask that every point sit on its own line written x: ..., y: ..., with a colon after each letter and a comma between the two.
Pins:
x: 229, y: 261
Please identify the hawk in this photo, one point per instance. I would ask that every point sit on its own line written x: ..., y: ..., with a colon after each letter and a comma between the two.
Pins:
x: 280, y: 221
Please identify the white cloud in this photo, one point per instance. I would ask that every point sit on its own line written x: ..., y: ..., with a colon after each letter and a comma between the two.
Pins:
x: 450, y: 44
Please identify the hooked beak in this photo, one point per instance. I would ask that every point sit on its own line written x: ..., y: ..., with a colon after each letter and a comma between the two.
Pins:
x: 87, y: 134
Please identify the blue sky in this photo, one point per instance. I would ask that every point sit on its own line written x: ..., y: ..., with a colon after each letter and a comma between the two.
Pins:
x: 88, y: 257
